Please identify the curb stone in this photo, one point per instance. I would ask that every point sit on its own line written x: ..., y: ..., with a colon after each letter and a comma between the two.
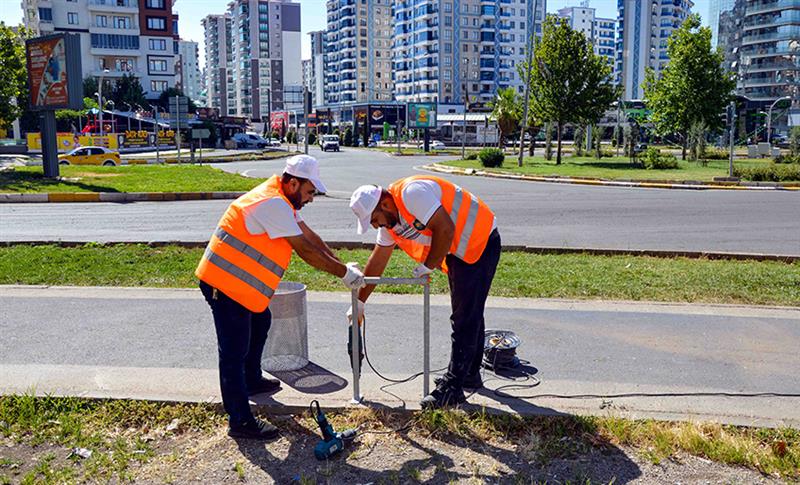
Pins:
x: 687, y: 185
x: 116, y: 197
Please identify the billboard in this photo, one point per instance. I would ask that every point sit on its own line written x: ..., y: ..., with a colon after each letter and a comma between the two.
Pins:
x: 54, y: 72
x: 422, y: 115
x: 69, y: 141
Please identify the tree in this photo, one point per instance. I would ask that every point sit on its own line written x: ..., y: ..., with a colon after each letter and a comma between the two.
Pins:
x: 694, y: 87
x: 578, y: 140
x: 697, y: 140
x: 568, y: 81
x: 128, y: 91
x: 506, y: 110
x: 163, y: 99
x: 548, y: 141
x: 13, y: 73
x: 794, y: 141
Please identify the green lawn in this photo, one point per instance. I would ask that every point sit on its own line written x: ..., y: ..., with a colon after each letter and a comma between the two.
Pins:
x: 127, y: 178
x: 611, y: 168
x: 519, y: 274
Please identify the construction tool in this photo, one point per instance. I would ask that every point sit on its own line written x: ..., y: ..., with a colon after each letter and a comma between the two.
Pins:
x: 332, y: 443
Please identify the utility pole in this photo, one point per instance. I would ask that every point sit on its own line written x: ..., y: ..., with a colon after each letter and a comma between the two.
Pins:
x: 306, y: 109
x: 155, y: 130
x: 769, y: 115
x: 178, y: 126
x: 466, y: 108
x: 397, y: 124
x: 526, y: 101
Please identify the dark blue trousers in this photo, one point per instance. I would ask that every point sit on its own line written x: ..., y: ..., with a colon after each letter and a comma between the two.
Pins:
x: 241, y: 335
x: 469, y: 289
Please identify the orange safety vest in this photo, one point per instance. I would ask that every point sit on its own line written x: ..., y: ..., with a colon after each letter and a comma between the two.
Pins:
x: 471, y: 216
x: 246, y: 267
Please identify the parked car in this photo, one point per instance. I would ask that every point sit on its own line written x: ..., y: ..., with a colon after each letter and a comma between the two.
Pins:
x: 434, y: 145
x: 329, y: 142
x: 252, y: 140
x: 90, y: 156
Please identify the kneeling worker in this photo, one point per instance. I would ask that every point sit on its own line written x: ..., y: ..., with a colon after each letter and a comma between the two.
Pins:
x: 441, y: 226
x: 240, y: 271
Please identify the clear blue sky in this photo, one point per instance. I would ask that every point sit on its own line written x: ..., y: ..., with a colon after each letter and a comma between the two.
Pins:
x: 313, y: 15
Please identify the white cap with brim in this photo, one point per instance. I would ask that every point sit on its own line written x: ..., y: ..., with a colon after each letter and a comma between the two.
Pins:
x: 306, y: 167
x: 363, y: 201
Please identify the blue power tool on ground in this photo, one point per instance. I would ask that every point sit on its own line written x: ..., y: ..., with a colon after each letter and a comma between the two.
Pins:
x: 332, y: 442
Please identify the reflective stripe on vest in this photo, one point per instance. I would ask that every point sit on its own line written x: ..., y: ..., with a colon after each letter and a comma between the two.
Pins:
x: 238, y: 272
x: 249, y: 251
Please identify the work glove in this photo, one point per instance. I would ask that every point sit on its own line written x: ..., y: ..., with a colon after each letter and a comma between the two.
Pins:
x: 421, y: 271
x: 354, y: 278
x: 359, y: 310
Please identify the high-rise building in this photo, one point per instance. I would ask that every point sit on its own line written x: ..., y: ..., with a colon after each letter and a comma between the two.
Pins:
x: 190, y: 79
x: 219, y: 52
x: 266, y: 65
x: 118, y: 37
x: 599, y: 31
x: 307, y: 73
x: 643, y: 28
x: 444, y: 49
x: 317, y: 67
x: 358, y: 46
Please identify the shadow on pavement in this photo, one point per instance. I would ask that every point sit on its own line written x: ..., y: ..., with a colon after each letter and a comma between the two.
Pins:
x: 311, y: 379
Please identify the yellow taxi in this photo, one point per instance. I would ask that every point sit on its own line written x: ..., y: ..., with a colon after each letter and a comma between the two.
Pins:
x: 90, y: 156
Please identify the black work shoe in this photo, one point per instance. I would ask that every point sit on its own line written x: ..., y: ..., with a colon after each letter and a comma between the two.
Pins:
x: 255, y: 430
x: 471, y: 383
x: 263, y: 386
x: 442, y: 397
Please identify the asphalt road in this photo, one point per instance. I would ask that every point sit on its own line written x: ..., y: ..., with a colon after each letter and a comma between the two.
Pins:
x: 535, y: 214
x: 602, y: 345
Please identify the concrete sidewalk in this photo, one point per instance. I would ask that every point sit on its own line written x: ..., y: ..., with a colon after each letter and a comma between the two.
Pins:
x: 159, y: 344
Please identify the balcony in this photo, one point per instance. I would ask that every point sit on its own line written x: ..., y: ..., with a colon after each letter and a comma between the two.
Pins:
x: 754, y: 8
x: 118, y: 6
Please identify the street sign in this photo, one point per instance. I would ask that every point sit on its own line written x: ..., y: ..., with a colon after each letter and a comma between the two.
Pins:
x: 422, y: 115
x: 201, y: 133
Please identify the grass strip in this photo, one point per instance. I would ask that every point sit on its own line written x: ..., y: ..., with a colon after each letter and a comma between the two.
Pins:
x: 127, y: 178
x: 40, y: 432
x: 611, y: 168
x: 519, y: 274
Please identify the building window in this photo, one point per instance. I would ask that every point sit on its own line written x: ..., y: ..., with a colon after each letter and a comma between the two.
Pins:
x: 157, y: 44
x: 122, y: 23
x: 157, y: 65
x: 100, y: 21
x: 158, y: 86
x: 156, y: 23
x: 157, y: 4
x: 46, y: 14
x: 72, y: 18
x: 114, y: 41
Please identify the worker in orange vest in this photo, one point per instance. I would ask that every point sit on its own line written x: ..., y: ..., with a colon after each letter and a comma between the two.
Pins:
x: 441, y: 226
x: 243, y: 263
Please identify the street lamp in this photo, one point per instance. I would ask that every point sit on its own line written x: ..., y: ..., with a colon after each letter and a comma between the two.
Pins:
x: 765, y: 123
x: 99, y: 94
x: 130, y: 110
x: 769, y: 116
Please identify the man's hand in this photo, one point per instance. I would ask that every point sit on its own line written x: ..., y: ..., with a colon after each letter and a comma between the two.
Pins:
x: 421, y: 271
x: 354, y: 278
x: 359, y: 311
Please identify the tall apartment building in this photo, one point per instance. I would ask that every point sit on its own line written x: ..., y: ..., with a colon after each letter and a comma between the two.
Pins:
x: 307, y: 73
x: 318, y: 67
x: 643, y: 27
x: 219, y: 52
x: 262, y: 58
x: 122, y: 37
x: 599, y: 31
x: 441, y: 47
x: 358, y: 46
x: 190, y: 80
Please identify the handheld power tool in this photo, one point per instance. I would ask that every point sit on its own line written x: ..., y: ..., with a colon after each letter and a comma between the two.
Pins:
x: 332, y: 443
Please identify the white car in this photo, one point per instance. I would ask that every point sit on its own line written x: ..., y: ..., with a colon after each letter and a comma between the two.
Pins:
x: 434, y: 145
x: 252, y: 140
x: 329, y: 142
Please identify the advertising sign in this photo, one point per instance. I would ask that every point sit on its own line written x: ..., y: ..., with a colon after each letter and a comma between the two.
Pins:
x: 280, y: 121
x: 54, y: 72
x: 422, y: 115
x: 135, y: 139
x: 68, y: 141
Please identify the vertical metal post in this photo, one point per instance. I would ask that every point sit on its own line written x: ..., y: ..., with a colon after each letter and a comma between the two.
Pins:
x: 49, y: 144
x: 156, y: 130
x: 526, y: 101
x: 732, y: 120
x: 426, y: 339
x: 306, y: 113
x: 356, y: 363
x: 466, y: 108
x: 397, y: 124
x: 178, y: 125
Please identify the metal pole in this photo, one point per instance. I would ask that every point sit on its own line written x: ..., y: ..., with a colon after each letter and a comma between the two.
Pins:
x: 306, y: 114
x: 355, y: 329
x: 155, y: 129
x: 397, y: 126
x: 426, y: 338
x: 732, y: 120
x: 49, y: 144
x: 178, y: 125
x: 466, y: 108
x: 769, y: 116
x: 525, y: 103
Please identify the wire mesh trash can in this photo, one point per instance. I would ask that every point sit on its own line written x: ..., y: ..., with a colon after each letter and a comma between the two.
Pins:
x: 287, y: 343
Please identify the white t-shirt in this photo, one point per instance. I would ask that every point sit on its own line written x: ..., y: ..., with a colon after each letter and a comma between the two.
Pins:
x: 422, y: 198
x: 273, y: 217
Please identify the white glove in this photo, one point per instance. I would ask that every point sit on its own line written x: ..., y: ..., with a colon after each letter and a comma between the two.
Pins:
x: 359, y: 309
x: 354, y: 278
x: 421, y: 271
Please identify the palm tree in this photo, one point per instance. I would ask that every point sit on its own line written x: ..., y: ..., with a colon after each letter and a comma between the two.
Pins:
x: 506, y: 110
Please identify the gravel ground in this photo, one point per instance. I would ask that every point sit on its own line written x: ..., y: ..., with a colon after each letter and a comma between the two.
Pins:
x: 416, y: 458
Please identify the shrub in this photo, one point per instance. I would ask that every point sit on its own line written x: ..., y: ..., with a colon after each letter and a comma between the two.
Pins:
x: 787, y: 159
x: 347, y: 140
x: 715, y: 154
x: 769, y: 173
x: 312, y: 138
x: 653, y: 159
x: 491, y: 157
x: 472, y: 156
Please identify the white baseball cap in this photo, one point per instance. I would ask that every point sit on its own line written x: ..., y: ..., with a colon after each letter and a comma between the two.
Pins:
x: 306, y: 167
x: 363, y: 201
